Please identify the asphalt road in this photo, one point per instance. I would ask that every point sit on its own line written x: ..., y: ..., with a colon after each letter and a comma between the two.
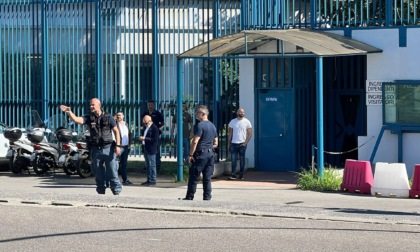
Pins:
x: 41, y: 228
x: 248, y: 197
x: 62, y: 213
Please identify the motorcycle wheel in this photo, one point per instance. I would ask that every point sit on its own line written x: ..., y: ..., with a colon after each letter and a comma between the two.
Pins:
x: 84, y: 168
x: 68, y: 172
x: 38, y: 166
x: 14, y: 168
x: 70, y: 168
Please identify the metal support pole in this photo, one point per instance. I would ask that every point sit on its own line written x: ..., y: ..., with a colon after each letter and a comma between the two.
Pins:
x: 378, y: 141
x: 314, y: 13
x: 180, y: 91
x: 98, y: 49
x: 400, y: 146
x: 313, y: 160
x: 320, y: 116
x: 216, y: 72
x: 388, y: 12
x: 122, y: 78
x: 155, y: 52
x: 45, y: 66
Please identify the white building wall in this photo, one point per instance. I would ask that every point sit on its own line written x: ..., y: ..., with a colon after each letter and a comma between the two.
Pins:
x: 394, y: 63
x: 247, y: 101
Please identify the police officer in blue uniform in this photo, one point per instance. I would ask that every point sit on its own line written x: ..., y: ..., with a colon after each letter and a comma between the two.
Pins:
x: 104, y: 149
x: 201, y: 156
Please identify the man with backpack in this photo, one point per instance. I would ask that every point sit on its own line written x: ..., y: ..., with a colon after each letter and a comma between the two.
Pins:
x: 104, y: 149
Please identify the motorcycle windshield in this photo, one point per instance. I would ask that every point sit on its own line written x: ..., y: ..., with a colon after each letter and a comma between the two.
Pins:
x: 35, y: 120
x: 56, y: 121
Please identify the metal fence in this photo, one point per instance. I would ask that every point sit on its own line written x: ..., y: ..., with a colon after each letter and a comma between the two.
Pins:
x: 284, y: 14
x: 124, y: 51
x: 50, y: 51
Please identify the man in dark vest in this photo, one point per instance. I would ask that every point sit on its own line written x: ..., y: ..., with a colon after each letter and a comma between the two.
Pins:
x: 104, y: 149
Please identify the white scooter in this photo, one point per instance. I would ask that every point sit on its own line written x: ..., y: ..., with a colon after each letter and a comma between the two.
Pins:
x: 49, y: 156
x: 20, y: 147
x: 20, y: 150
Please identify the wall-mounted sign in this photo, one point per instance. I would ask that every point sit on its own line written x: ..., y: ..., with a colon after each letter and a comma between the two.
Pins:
x: 373, y: 99
x: 271, y: 99
x: 373, y: 86
x: 374, y: 92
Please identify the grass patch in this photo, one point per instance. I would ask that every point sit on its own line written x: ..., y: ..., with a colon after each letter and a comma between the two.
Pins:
x: 186, y: 175
x: 309, y: 180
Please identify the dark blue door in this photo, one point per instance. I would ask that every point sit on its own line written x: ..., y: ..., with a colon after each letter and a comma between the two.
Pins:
x: 276, y: 131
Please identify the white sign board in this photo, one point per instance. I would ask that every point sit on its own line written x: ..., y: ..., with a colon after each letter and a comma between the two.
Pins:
x: 373, y: 99
x: 373, y: 86
x: 374, y: 92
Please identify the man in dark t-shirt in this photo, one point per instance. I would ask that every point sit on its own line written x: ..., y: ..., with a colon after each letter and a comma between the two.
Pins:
x: 201, y: 156
x: 186, y: 130
x: 157, y: 119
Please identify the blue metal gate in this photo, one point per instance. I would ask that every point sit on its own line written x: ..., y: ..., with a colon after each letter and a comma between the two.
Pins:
x: 123, y: 52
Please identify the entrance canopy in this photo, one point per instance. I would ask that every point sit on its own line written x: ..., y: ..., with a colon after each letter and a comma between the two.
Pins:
x: 291, y: 42
x: 276, y: 43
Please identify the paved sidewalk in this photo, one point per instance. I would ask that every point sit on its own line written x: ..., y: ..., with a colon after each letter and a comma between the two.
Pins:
x: 259, y: 194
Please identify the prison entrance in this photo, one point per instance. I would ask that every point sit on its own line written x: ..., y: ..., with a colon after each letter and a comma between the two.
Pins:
x: 276, y: 133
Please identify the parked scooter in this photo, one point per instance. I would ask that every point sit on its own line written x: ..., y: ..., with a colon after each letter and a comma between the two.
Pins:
x: 84, y: 166
x: 71, y: 162
x: 20, y: 150
x: 49, y: 156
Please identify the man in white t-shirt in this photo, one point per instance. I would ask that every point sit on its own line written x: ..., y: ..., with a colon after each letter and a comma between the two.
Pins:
x: 240, y: 132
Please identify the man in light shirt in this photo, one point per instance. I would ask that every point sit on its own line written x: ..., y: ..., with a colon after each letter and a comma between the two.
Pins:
x: 125, y: 135
x: 240, y: 132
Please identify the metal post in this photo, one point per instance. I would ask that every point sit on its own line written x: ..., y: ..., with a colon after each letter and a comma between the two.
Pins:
x: 216, y: 72
x: 400, y: 146
x: 155, y: 52
x: 45, y: 66
x: 122, y: 78
x: 313, y: 160
x: 378, y: 141
x: 180, y: 91
x: 314, y: 13
x: 244, y: 14
x: 320, y: 116
x: 388, y: 12
x: 98, y: 49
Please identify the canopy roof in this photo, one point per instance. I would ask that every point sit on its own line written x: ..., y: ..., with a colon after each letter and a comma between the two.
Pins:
x: 285, y: 42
